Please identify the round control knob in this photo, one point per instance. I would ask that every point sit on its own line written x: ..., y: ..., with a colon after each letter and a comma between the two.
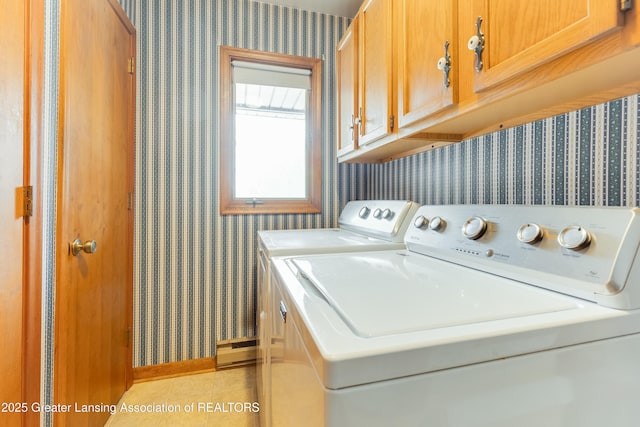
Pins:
x: 377, y: 213
x: 364, y: 212
x: 530, y: 233
x: 386, y: 214
x: 437, y: 223
x: 474, y: 228
x: 574, y: 237
x: 420, y: 222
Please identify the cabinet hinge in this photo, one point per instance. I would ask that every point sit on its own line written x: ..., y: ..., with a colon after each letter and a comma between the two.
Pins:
x: 130, y: 201
x: 24, y: 201
x: 131, y: 65
x: 626, y: 5
x: 392, y: 122
x: 128, y: 337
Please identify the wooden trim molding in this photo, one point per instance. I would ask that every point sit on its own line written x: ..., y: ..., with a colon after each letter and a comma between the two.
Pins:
x: 131, y: 147
x: 32, y: 281
x: 230, y: 205
x: 174, y: 369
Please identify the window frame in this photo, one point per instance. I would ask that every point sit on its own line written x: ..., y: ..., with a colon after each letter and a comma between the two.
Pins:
x: 229, y: 205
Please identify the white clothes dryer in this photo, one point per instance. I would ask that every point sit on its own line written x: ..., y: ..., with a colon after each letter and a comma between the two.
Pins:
x: 370, y: 225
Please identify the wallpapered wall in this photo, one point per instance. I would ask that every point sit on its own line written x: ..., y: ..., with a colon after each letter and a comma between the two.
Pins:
x: 586, y: 157
x: 48, y: 184
x: 195, y: 270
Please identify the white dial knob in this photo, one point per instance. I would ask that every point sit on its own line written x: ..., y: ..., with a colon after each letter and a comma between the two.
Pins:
x: 574, y: 237
x: 473, y: 42
x: 386, y: 214
x: 530, y: 233
x: 420, y: 222
x: 442, y: 62
x: 437, y: 223
x: 474, y: 228
x: 364, y: 212
x: 377, y: 213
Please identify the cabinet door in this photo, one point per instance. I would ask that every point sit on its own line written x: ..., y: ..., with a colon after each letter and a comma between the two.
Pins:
x: 424, y: 26
x: 521, y: 35
x: 375, y: 69
x: 347, y: 89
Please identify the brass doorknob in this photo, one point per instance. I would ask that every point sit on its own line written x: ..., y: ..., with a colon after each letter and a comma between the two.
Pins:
x: 76, y: 246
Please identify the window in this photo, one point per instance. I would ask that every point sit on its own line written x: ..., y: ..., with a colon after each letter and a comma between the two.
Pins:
x: 270, y: 149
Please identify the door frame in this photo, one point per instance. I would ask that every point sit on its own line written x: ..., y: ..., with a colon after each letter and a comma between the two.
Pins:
x: 33, y: 243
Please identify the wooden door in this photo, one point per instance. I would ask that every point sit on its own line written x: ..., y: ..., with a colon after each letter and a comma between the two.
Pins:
x: 521, y: 35
x: 12, y: 148
x: 347, y: 89
x: 375, y: 70
x: 424, y: 27
x: 93, y: 294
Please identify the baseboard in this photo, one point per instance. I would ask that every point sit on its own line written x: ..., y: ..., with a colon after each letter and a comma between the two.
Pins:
x: 230, y: 353
x: 237, y: 352
x: 174, y: 369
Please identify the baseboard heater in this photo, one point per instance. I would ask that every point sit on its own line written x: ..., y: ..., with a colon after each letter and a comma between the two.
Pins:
x: 235, y: 352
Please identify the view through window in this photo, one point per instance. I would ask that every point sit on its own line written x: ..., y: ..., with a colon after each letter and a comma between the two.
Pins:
x: 270, y: 127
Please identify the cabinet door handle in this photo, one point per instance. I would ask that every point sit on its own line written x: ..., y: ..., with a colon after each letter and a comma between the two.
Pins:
x: 353, y: 123
x: 283, y: 312
x: 476, y: 43
x: 444, y: 64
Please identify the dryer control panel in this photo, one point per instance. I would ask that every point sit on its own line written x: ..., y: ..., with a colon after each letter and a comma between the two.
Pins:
x: 384, y: 219
x: 586, y: 252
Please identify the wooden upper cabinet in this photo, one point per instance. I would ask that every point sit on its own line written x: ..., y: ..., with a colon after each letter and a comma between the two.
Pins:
x: 347, y: 87
x: 540, y: 58
x: 521, y: 35
x: 423, y: 28
x: 375, y: 70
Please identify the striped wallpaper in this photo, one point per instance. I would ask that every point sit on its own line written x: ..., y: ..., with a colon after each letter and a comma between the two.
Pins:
x: 587, y: 157
x: 195, y: 271
x: 48, y: 186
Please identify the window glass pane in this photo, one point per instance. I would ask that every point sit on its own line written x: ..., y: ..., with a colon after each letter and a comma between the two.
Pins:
x: 270, y: 145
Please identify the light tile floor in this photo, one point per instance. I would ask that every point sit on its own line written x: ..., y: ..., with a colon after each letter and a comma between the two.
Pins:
x: 221, y: 398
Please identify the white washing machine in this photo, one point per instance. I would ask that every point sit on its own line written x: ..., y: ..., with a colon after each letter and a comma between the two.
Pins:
x: 370, y: 225
x: 493, y: 316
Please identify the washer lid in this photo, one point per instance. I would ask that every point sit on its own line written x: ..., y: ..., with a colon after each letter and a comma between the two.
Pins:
x: 386, y: 293
x: 309, y: 241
